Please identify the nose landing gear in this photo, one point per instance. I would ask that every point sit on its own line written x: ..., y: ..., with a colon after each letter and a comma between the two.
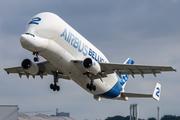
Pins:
x: 36, y: 59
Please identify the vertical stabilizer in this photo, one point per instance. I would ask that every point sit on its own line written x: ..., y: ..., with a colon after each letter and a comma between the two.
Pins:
x: 129, y: 61
x: 123, y: 78
x: 157, y: 91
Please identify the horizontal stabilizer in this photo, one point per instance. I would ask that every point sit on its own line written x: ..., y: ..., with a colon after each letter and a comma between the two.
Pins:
x: 155, y: 95
x: 136, y: 95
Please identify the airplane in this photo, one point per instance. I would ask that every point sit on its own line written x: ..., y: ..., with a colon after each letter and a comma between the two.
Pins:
x: 70, y: 56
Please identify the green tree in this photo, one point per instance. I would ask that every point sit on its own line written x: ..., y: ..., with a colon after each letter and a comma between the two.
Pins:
x: 118, y: 118
x: 151, y: 119
x: 170, y: 117
x: 115, y: 118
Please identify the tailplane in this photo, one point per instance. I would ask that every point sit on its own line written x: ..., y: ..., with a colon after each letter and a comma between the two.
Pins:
x: 155, y: 95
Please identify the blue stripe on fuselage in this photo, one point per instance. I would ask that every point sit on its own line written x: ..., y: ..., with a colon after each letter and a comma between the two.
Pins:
x: 113, y: 92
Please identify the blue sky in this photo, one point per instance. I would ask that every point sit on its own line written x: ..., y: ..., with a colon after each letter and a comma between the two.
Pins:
x: 147, y: 31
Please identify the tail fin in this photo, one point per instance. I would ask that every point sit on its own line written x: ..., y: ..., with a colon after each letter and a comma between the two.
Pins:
x: 123, y: 78
x: 157, y: 91
x: 129, y: 61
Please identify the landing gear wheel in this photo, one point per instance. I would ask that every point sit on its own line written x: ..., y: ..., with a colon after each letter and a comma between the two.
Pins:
x: 87, y: 86
x: 51, y: 86
x: 55, y: 87
x: 91, y: 87
x: 58, y: 88
x: 36, y: 59
x: 94, y: 88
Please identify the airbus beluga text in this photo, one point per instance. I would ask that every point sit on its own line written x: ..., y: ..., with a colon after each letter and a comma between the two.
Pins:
x: 70, y: 56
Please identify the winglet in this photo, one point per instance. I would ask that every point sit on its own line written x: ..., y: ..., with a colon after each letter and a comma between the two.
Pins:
x: 157, y: 91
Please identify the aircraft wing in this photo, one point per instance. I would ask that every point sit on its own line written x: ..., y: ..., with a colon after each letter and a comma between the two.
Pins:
x: 120, y: 69
x: 134, y: 69
x: 45, y: 68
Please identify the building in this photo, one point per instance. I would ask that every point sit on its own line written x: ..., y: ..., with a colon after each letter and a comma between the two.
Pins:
x: 42, y: 117
x: 62, y: 113
x: 9, y: 112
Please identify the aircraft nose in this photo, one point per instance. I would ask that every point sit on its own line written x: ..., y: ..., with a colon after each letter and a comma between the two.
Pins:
x: 23, y: 38
x: 27, y: 38
x: 28, y: 42
x: 33, y: 43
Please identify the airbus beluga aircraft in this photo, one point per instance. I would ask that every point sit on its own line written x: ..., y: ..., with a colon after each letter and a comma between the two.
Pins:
x: 70, y: 56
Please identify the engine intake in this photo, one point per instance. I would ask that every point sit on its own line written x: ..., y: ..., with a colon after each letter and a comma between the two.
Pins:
x: 30, y: 67
x: 91, y: 66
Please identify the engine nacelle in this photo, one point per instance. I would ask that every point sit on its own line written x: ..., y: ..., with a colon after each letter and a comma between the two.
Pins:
x: 91, y: 66
x: 30, y: 67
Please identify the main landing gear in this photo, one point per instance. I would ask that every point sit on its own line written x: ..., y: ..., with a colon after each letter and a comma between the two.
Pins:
x: 91, y: 86
x: 54, y: 86
x: 36, y: 59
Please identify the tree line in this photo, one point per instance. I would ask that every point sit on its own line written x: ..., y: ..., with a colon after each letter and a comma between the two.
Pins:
x: 165, y: 117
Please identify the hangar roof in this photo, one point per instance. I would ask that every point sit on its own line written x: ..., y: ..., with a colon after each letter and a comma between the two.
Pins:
x: 42, y: 117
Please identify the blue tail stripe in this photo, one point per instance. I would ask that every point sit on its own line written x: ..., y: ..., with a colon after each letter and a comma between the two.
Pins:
x: 123, y: 78
x: 130, y: 62
x: 116, y: 89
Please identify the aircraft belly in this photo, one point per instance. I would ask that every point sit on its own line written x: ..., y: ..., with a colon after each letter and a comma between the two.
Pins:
x: 101, y: 87
x: 114, y: 89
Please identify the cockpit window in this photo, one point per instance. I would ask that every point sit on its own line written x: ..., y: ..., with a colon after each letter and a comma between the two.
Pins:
x: 30, y: 34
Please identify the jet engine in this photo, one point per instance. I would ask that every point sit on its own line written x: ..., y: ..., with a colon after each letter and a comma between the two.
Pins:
x: 91, y: 66
x: 30, y: 67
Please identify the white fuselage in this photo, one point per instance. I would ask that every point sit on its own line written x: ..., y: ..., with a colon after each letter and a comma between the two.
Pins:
x: 59, y: 43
